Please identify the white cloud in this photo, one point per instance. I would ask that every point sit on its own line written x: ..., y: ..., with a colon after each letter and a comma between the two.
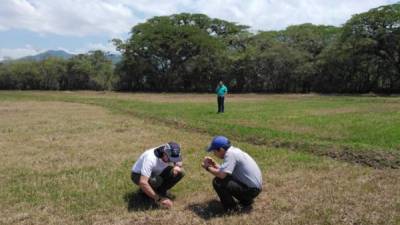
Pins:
x: 159, y: 7
x: 108, y: 47
x: 115, y: 17
x: 278, y: 14
x: 262, y: 14
x: 74, y: 17
x: 15, y: 53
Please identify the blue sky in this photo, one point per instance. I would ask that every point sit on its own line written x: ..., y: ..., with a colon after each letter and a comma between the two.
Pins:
x: 28, y: 27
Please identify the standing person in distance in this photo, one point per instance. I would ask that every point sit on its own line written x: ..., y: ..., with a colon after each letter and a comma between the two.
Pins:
x: 158, y: 170
x: 238, y: 180
x: 221, y: 91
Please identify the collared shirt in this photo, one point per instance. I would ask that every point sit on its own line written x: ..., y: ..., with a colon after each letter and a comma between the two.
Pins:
x: 242, y: 167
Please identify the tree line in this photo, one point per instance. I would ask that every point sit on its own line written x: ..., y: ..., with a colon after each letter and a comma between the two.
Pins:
x: 192, y: 52
x: 92, y: 71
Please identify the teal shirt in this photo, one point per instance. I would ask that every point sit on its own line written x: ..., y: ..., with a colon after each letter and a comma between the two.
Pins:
x: 221, y: 90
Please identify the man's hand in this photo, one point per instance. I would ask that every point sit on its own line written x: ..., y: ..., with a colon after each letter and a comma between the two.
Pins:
x: 207, y: 162
x: 204, y: 165
x: 180, y: 164
x: 166, y: 203
x: 176, y: 170
x: 210, y: 162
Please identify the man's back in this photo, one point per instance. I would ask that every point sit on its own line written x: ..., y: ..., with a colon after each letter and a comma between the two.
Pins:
x: 242, y: 167
x: 148, y: 163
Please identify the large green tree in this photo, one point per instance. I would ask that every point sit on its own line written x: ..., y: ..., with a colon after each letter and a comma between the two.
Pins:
x: 191, y: 52
x: 372, y: 42
x: 52, y: 69
x: 183, y: 52
x: 308, y: 41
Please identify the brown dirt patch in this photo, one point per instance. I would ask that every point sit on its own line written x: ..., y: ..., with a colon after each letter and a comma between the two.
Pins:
x: 373, y: 108
x: 376, y: 159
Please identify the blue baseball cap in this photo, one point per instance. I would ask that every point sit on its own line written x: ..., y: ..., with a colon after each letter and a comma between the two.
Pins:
x: 219, y: 142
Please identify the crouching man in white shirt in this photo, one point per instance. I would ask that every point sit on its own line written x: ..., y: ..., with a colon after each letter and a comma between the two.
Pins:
x: 158, y: 170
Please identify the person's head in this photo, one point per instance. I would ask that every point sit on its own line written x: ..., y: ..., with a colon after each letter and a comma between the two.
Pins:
x: 219, y: 145
x: 221, y: 82
x: 169, y: 152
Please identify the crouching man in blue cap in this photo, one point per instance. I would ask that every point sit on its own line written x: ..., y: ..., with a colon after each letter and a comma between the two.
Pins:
x: 158, y: 170
x: 239, y: 176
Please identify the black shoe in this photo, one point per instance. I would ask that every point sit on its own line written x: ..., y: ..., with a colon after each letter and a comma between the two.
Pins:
x: 233, y: 209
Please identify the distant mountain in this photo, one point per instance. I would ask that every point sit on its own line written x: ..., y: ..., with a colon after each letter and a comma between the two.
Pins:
x: 47, y: 54
x: 115, y: 58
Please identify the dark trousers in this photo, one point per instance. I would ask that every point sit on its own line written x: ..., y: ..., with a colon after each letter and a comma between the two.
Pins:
x: 228, y: 189
x: 161, y: 183
x: 221, y: 100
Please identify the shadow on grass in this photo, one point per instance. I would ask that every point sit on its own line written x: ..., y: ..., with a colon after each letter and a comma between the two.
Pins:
x: 138, y: 201
x: 208, y: 210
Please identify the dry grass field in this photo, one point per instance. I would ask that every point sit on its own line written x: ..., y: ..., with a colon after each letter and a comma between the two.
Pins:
x: 69, y: 163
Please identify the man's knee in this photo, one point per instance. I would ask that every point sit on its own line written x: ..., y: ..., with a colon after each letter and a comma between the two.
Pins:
x: 217, y: 183
x: 178, y: 176
x: 248, y: 197
x: 181, y: 174
x: 156, y: 181
x: 178, y: 171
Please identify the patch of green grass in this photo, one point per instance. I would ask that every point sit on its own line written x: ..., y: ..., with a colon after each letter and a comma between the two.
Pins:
x: 358, y: 123
x: 70, y: 163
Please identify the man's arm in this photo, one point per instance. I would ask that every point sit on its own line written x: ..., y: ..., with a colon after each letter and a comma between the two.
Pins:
x: 147, y: 189
x: 213, y: 168
x: 216, y: 172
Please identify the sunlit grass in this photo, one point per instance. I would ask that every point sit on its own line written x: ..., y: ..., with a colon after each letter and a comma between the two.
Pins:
x: 359, y: 123
x: 69, y: 163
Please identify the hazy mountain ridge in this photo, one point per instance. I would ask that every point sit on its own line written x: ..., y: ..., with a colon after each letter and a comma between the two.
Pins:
x: 115, y: 58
